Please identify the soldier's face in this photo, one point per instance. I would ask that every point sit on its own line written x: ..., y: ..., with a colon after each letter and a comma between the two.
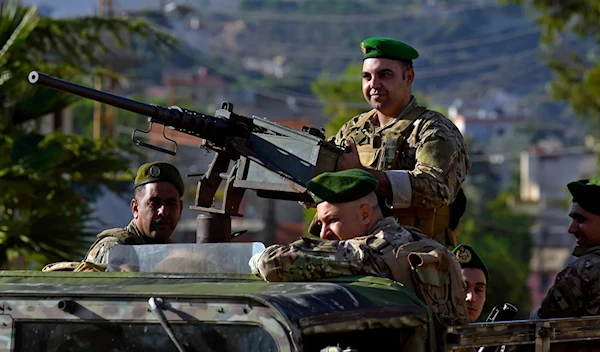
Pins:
x: 475, y: 294
x: 386, y: 85
x: 341, y: 221
x: 585, y: 226
x: 156, y: 212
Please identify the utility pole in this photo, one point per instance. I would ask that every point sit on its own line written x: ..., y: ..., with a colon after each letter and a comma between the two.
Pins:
x: 104, y: 116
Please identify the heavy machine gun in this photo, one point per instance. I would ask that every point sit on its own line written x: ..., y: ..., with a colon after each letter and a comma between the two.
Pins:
x: 274, y: 160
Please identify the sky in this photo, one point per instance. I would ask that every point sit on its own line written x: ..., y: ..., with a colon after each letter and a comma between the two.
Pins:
x: 77, y: 8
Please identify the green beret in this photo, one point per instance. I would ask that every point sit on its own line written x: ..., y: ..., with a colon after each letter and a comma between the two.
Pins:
x: 159, y: 172
x: 467, y: 258
x: 342, y: 186
x: 387, y: 48
x: 586, y: 193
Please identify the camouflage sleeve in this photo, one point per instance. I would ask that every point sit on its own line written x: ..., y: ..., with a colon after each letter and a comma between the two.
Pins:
x: 340, y: 136
x: 576, y: 291
x: 309, y: 259
x: 98, y: 253
x: 441, y: 163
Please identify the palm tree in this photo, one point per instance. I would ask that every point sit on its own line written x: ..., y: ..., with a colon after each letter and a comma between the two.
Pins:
x: 47, y: 183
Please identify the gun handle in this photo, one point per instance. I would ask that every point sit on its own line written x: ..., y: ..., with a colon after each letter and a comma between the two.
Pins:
x: 154, y: 147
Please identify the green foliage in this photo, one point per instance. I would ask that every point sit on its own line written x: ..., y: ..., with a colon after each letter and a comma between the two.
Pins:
x: 575, y: 64
x: 48, y: 183
x: 342, y: 99
x: 66, y: 48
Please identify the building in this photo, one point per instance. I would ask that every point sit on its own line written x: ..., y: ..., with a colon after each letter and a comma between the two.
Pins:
x: 545, y: 172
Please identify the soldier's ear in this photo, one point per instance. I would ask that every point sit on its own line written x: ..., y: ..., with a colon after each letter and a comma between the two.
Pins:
x: 134, y: 208
x: 366, y: 213
x: 409, y: 75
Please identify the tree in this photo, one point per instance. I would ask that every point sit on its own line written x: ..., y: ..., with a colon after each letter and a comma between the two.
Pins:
x: 570, y: 34
x: 48, y: 182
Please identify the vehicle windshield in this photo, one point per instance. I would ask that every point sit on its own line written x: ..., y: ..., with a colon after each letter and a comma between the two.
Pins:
x: 184, y: 258
x: 130, y: 337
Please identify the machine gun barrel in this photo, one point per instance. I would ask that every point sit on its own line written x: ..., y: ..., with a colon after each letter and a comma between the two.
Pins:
x: 212, y: 128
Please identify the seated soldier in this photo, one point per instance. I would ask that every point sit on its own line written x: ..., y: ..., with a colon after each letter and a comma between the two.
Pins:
x: 156, y: 209
x: 357, y: 240
x: 576, y: 291
x: 476, y: 276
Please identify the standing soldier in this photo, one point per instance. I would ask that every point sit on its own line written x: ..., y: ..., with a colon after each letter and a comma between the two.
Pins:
x: 418, y: 156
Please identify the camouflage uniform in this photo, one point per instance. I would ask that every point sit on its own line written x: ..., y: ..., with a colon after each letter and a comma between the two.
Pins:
x: 108, y: 239
x: 385, y: 252
x: 425, y: 144
x: 576, y: 291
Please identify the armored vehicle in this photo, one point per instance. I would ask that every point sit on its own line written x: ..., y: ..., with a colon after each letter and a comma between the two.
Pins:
x: 202, y: 297
x: 172, y: 308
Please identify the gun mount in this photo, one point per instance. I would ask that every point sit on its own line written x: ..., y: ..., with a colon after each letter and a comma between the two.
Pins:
x: 251, y: 153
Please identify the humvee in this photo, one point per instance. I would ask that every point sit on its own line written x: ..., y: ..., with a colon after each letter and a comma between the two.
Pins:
x: 202, y: 297
x: 188, y: 305
x: 205, y: 299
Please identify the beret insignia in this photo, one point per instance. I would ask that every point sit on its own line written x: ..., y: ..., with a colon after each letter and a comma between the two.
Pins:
x: 463, y: 255
x: 468, y: 258
x: 154, y: 171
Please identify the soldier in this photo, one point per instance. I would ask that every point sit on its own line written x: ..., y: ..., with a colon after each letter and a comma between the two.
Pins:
x: 156, y: 208
x: 357, y: 240
x: 576, y: 291
x: 418, y: 156
x: 476, y: 276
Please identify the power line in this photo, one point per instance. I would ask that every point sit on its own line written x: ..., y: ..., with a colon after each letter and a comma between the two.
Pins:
x: 316, y: 52
x: 283, y: 95
x: 401, y: 12
x: 471, y: 66
x: 479, y: 41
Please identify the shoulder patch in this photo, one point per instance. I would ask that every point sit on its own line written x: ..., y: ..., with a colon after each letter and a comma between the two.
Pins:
x: 119, y: 234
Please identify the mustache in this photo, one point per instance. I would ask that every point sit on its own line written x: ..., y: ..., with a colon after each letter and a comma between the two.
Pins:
x: 162, y: 221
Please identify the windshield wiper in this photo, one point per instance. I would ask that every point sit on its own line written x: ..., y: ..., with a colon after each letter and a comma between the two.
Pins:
x: 156, y: 305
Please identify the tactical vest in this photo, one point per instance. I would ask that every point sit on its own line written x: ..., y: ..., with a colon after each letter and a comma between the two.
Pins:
x: 428, y: 270
x: 569, y: 296
x: 381, y: 151
x: 120, y: 234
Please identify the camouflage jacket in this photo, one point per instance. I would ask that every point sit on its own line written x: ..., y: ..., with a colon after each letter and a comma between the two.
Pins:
x: 313, y: 259
x: 430, y: 148
x: 405, y: 255
x: 576, y: 291
x: 108, y: 239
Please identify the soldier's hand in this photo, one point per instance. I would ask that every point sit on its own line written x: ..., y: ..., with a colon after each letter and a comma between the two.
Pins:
x: 350, y: 159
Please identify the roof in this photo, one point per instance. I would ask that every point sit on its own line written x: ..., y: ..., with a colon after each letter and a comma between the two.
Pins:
x: 311, y: 307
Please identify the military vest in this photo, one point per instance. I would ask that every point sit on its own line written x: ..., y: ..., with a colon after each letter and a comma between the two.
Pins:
x: 568, y: 296
x: 382, y: 151
x: 426, y: 268
x: 129, y: 235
